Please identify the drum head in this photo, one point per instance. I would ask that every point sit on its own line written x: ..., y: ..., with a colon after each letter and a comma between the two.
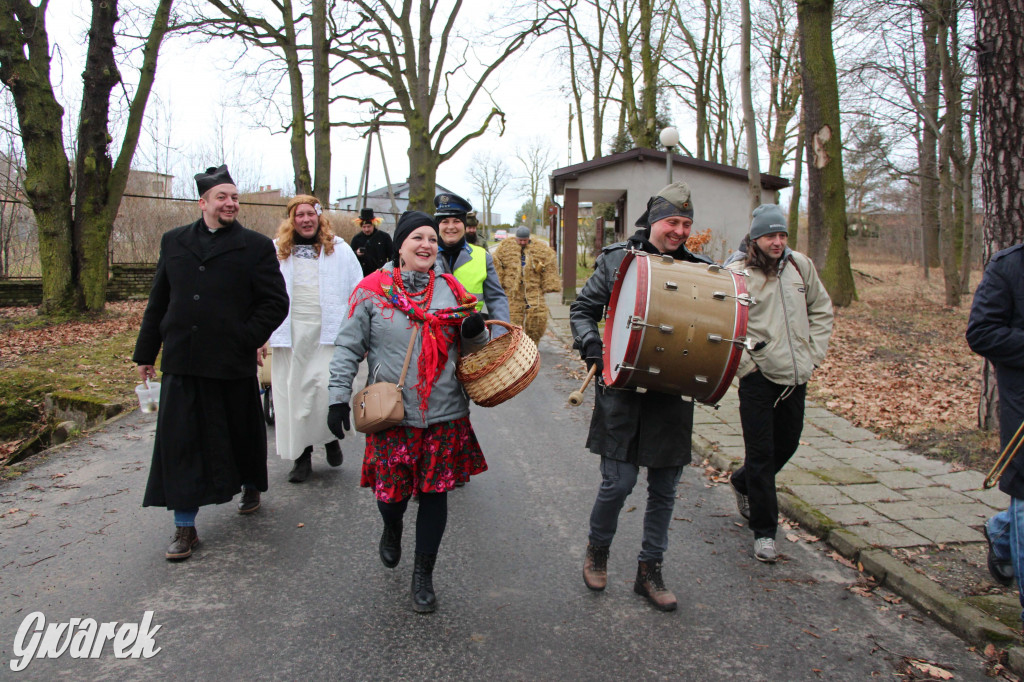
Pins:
x: 628, y: 300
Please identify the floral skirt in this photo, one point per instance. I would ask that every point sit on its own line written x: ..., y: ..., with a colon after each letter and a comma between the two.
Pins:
x: 405, y: 460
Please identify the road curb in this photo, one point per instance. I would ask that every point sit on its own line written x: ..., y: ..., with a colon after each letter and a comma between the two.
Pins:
x: 960, y: 617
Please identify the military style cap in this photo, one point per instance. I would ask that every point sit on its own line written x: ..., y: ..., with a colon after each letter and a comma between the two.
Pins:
x: 448, y: 205
x: 673, y: 200
x: 212, y: 177
x: 471, y: 220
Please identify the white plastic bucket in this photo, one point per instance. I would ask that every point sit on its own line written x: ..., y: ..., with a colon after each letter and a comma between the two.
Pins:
x: 149, y: 396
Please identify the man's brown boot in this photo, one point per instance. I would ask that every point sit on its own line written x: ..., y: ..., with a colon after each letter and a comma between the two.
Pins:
x: 185, y: 538
x: 595, y: 567
x: 650, y: 584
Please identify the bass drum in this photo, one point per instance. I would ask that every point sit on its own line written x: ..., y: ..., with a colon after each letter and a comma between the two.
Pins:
x: 675, y: 327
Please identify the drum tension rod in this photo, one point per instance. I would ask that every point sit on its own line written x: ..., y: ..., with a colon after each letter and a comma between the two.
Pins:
x: 717, y: 338
x: 631, y: 368
x: 742, y: 299
x: 638, y: 323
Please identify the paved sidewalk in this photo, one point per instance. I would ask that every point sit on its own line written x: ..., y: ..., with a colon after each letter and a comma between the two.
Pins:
x: 868, y: 496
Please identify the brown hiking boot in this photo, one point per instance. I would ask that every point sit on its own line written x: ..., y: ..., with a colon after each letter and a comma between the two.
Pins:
x: 650, y: 584
x: 595, y: 567
x: 185, y: 538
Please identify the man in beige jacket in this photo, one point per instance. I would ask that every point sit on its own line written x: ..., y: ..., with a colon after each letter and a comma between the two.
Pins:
x: 790, y: 326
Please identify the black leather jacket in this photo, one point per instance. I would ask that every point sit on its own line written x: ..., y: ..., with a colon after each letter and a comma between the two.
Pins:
x: 647, y: 429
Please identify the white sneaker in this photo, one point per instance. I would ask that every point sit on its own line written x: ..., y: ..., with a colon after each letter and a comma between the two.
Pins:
x: 764, y: 550
x: 742, y: 503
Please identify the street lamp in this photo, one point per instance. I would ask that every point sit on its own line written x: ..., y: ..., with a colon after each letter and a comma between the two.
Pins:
x: 670, y: 138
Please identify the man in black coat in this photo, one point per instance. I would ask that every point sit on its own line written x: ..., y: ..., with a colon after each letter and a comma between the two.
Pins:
x: 630, y: 429
x: 995, y: 330
x: 372, y: 246
x: 217, y: 295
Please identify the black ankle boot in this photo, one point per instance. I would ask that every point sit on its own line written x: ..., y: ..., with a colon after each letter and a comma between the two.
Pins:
x: 423, y: 599
x: 334, y: 454
x: 303, y: 466
x: 391, y: 543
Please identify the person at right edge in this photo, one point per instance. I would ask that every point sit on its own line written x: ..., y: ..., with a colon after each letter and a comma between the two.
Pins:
x: 790, y: 325
x: 995, y: 331
x: 629, y: 429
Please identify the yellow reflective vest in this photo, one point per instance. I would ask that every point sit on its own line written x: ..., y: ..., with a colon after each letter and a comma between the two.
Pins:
x: 473, y: 273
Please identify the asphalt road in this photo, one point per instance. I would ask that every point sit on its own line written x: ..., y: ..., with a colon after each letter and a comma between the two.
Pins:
x: 297, y: 591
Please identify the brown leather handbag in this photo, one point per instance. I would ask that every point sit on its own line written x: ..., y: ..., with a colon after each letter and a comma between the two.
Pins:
x: 379, y: 406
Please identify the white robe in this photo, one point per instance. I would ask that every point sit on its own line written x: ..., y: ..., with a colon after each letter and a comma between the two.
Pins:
x: 300, y: 372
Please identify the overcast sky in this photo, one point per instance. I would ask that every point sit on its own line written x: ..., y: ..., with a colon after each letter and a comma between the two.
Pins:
x: 195, y: 102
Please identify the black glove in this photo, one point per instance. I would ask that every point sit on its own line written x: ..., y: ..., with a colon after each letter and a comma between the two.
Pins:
x: 337, y: 419
x: 473, y: 325
x: 592, y: 354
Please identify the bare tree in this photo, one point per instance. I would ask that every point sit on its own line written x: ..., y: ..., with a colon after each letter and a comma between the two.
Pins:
x: 295, y: 40
x: 592, y: 68
x: 749, y: 127
x: 490, y: 176
x: 703, y: 68
x: 73, y: 249
x: 537, y: 158
x: 425, y: 78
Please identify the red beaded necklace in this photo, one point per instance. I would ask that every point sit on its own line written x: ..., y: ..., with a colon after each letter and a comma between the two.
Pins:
x: 419, y: 299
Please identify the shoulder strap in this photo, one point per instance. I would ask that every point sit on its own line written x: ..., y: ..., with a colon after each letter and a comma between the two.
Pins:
x: 408, y: 356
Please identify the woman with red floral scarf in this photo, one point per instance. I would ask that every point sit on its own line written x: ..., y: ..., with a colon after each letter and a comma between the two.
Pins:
x: 434, y: 447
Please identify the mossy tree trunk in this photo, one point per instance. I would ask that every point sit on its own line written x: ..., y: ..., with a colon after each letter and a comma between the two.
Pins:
x: 100, y: 181
x: 821, y: 118
x: 73, y: 248
x: 25, y: 70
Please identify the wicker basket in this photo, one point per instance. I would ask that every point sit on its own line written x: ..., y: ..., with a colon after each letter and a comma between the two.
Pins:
x: 502, y: 368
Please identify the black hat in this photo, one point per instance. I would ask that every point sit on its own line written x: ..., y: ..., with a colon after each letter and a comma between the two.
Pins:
x: 448, y: 205
x: 366, y: 215
x: 212, y: 177
x: 407, y: 222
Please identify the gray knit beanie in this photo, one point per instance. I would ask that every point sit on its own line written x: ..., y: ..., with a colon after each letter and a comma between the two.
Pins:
x: 767, y: 219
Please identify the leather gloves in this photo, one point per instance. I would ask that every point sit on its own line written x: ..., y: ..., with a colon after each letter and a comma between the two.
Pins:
x: 337, y: 419
x: 473, y: 325
x: 592, y: 354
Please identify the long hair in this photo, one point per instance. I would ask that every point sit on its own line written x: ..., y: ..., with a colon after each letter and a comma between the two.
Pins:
x: 756, y: 258
x: 286, y: 230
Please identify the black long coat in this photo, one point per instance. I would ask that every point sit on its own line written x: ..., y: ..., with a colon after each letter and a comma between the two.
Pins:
x: 211, y: 313
x: 995, y: 331
x: 648, y: 429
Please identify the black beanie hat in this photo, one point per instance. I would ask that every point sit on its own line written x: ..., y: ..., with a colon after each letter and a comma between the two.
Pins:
x: 407, y: 223
x: 212, y: 177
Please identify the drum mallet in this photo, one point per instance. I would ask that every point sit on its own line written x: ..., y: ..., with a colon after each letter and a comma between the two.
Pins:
x: 576, y: 397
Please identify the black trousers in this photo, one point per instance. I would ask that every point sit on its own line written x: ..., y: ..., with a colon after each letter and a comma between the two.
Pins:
x: 772, y: 417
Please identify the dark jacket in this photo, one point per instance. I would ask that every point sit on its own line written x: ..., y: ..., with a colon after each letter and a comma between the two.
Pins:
x: 377, y: 248
x: 995, y: 330
x: 212, y: 312
x: 649, y: 429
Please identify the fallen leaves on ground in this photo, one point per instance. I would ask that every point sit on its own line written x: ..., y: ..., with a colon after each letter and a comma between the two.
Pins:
x: 898, y: 361
x: 14, y: 343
